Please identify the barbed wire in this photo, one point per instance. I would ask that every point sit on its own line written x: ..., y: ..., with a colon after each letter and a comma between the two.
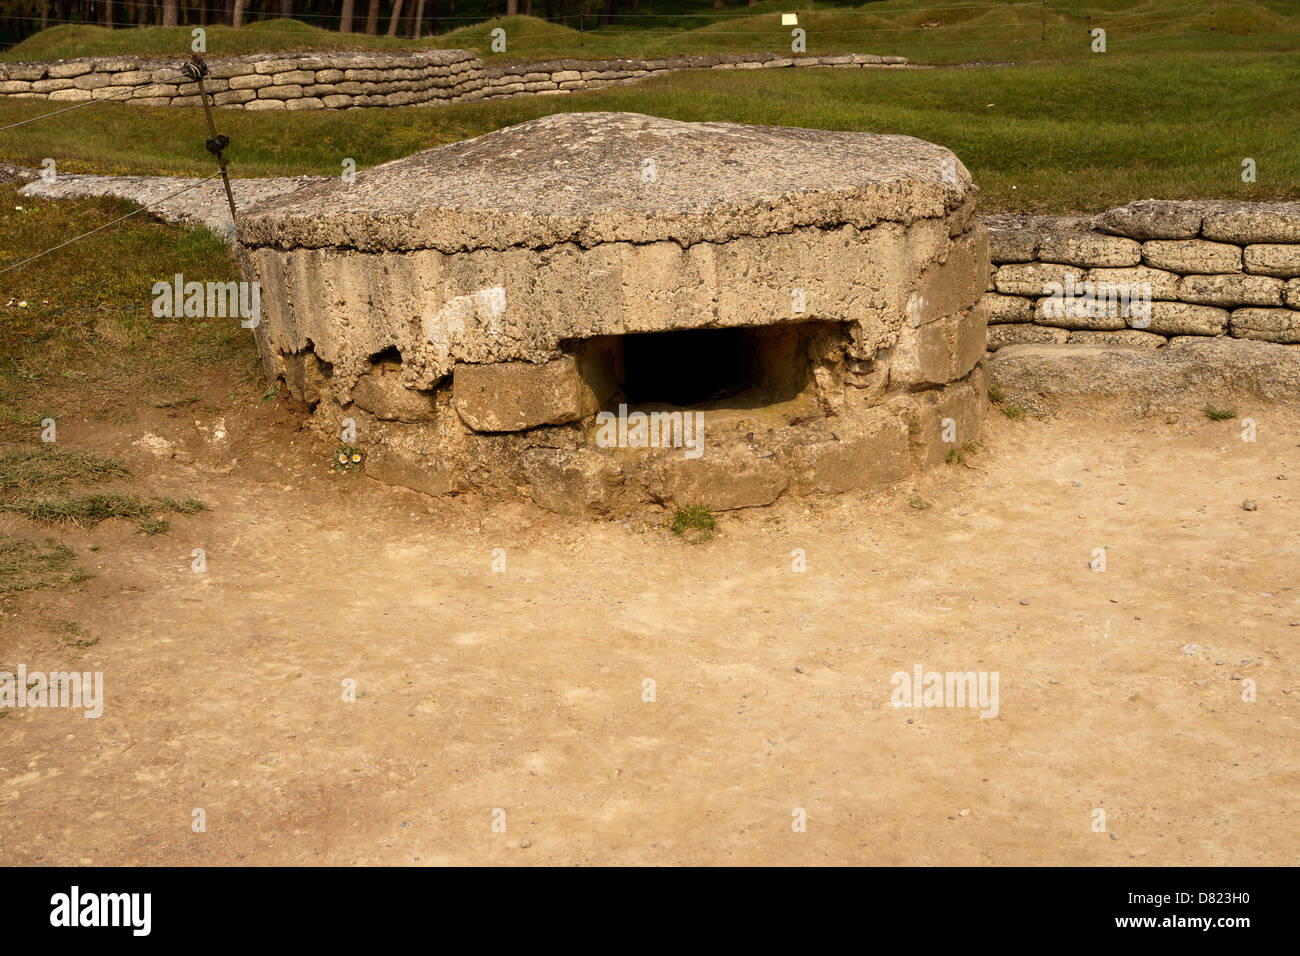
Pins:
x: 134, y: 212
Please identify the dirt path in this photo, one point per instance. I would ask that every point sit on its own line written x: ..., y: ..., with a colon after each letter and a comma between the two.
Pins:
x: 523, y: 690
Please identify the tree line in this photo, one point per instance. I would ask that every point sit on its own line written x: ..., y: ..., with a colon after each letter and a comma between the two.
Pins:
x: 395, y: 18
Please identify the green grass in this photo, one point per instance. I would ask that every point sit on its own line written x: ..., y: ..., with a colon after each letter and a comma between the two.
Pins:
x: 693, y: 523
x: 190, y: 506
x: 957, y: 453
x: 103, y: 282
x: 112, y: 274
x: 88, y: 510
x: 32, y: 469
x: 955, y: 31
x: 87, y: 344
x: 1068, y: 137
x: 75, y: 635
x: 81, y: 510
x: 998, y: 399
x: 33, y: 482
x: 29, y: 565
x: 1219, y: 414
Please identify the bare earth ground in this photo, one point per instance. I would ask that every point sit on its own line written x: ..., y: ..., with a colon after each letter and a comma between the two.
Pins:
x: 522, y: 690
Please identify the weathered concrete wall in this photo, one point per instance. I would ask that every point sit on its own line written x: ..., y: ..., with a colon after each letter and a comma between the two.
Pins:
x: 1208, y: 268
x: 356, y: 79
x: 468, y: 307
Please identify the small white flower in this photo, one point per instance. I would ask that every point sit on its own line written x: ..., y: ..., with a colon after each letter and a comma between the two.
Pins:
x: 22, y: 303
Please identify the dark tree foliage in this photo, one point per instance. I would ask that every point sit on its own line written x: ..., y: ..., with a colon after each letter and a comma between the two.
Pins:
x: 406, y: 18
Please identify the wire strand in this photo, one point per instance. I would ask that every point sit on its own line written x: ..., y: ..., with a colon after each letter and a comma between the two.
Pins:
x: 134, y: 212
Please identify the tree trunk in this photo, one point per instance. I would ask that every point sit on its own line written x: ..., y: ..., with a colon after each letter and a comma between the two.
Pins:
x: 512, y: 8
x: 419, y: 19
x: 286, y: 9
x: 345, y: 16
x: 372, y: 18
x: 528, y: 8
x: 108, y: 13
x: 392, y: 20
x: 237, y: 14
x: 169, y: 13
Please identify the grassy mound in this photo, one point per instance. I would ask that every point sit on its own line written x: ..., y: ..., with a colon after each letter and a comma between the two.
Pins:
x: 970, y: 31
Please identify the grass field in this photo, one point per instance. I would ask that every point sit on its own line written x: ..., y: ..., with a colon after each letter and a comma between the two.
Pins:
x: 955, y: 31
x: 78, y: 322
x: 1061, y: 137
